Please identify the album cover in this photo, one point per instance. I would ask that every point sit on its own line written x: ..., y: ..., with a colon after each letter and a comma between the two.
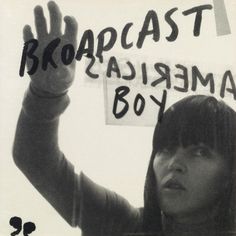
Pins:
x: 117, y: 117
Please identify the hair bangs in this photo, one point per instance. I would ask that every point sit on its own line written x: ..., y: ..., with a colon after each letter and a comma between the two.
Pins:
x: 197, y: 120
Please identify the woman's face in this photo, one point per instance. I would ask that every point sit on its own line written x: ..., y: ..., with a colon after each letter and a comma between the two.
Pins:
x: 190, y: 180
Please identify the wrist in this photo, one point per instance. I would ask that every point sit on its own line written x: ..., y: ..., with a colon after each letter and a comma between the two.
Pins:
x: 40, y: 107
x: 44, y: 94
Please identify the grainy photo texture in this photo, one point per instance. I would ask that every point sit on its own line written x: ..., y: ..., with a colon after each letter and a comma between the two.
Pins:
x: 186, y: 102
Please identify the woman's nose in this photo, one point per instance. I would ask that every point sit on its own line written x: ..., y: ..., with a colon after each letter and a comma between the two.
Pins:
x: 177, y: 162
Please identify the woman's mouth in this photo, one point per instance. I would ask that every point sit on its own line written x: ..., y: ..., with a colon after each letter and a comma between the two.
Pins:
x: 173, y: 184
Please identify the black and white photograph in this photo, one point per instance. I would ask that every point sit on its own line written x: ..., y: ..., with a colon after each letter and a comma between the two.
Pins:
x: 118, y: 118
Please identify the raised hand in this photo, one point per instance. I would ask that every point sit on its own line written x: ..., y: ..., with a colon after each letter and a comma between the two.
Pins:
x: 53, y: 81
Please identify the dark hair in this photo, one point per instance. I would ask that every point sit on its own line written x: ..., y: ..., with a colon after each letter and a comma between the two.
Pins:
x: 190, y: 121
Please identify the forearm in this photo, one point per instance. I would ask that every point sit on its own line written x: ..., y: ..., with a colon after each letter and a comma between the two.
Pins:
x: 35, y: 147
x: 36, y: 139
x: 37, y: 154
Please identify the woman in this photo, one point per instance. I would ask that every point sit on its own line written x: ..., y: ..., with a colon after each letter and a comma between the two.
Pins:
x: 189, y: 188
x: 192, y: 167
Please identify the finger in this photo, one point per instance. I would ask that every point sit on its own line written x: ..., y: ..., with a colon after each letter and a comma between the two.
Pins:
x: 55, y: 18
x: 70, y: 29
x: 27, y: 33
x: 40, y: 22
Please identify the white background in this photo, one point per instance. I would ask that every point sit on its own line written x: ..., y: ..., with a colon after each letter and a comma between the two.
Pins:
x: 113, y: 156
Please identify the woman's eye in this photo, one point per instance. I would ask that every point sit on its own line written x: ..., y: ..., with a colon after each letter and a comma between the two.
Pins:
x: 166, y: 151
x: 202, y: 152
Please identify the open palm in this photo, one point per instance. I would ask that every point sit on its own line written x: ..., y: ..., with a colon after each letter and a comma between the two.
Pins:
x: 53, y: 80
